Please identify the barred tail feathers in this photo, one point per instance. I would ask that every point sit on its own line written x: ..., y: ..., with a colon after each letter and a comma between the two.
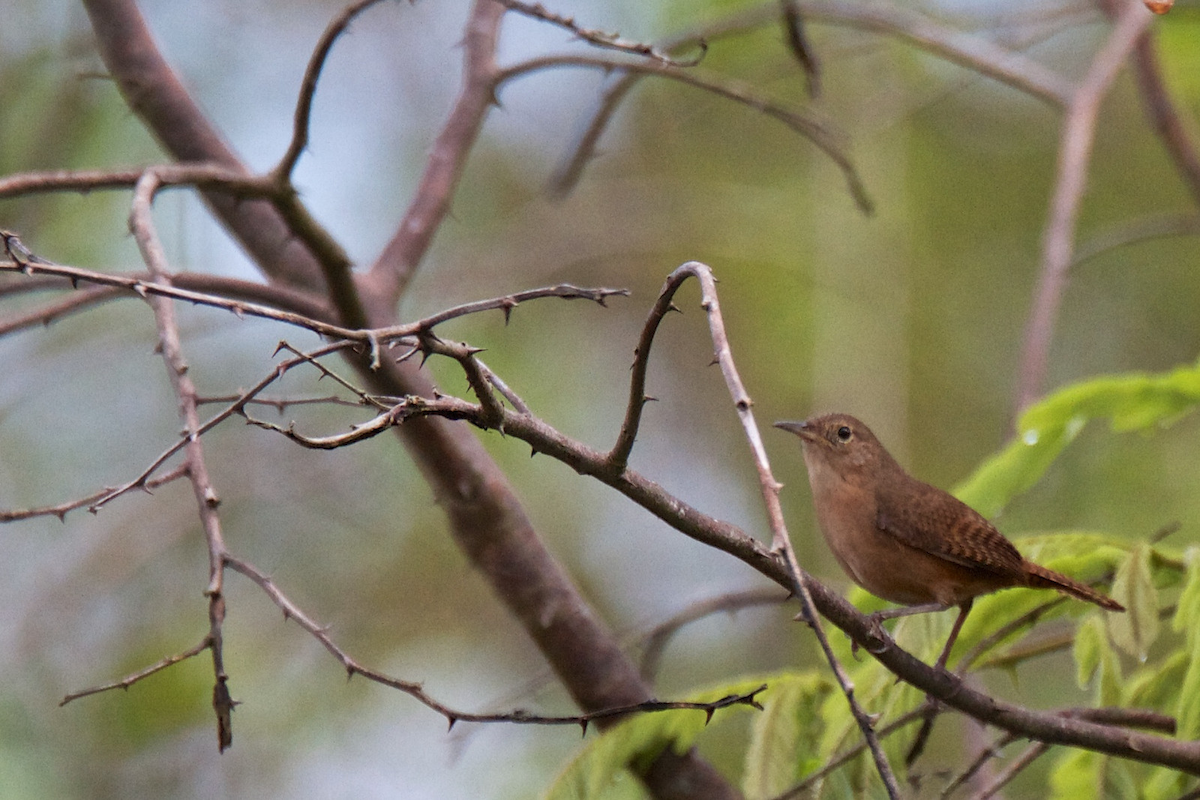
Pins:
x: 1042, y: 578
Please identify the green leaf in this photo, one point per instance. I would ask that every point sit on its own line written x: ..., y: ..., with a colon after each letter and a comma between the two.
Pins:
x: 1187, y: 712
x: 1132, y: 401
x: 1013, y: 470
x: 1156, y: 685
x: 600, y: 769
x: 784, y: 737
x: 1089, y: 643
x: 1093, y: 653
x: 1076, y: 774
x: 1164, y: 783
x: 1187, y: 611
x: 1136, y: 629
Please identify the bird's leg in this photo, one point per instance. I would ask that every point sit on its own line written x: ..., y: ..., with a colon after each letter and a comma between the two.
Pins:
x: 877, y: 618
x: 918, y: 745
x: 963, y: 610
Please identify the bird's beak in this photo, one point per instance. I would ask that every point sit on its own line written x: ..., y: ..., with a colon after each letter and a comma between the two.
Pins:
x: 801, y: 429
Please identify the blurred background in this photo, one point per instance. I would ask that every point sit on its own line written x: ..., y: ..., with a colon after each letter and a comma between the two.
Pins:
x: 911, y: 319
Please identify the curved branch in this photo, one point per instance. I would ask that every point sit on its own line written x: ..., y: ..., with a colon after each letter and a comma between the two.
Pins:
x: 818, y: 131
x: 308, y: 89
x: 1164, y: 116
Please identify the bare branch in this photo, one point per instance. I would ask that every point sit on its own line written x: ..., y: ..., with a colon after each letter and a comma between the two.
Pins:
x: 308, y: 88
x: 1162, y: 112
x: 818, y: 131
x: 141, y: 224
x: 849, y: 755
x: 203, y: 175
x: 1059, y: 235
x: 611, y: 41
x: 148, y: 485
x: 1011, y: 771
x: 658, y: 637
x: 130, y: 680
x: 965, y: 49
x: 389, y: 275
x: 416, y: 690
x: 780, y: 543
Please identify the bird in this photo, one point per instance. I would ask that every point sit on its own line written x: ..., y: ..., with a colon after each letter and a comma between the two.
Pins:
x: 904, y: 540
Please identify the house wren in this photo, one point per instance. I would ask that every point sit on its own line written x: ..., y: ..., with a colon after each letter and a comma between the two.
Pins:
x: 904, y: 540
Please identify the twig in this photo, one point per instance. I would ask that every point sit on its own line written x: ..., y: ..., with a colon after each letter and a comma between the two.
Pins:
x: 793, y: 28
x: 1059, y: 236
x: 140, y: 287
x: 204, y: 175
x: 130, y: 680
x: 1028, y: 619
x: 1163, y: 115
x: 1013, y: 768
x: 1158, y: 226
x: 849, y: 755
x: 985, y: 755
x: 416, y: 690
x: 142, y: 226
x: 308, y: 89
x: 818, y: 131
x: 966, y: 50
x: 61, y: 510
x: 657, y: 638
x: 611, y: 41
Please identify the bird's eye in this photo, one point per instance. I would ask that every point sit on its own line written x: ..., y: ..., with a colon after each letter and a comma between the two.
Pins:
x: 844, y: 433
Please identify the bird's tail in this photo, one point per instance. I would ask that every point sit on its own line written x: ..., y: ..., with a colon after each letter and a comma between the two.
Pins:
x: 1042, y: 578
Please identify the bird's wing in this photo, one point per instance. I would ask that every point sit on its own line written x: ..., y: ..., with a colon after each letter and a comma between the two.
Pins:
x: 943, y: 526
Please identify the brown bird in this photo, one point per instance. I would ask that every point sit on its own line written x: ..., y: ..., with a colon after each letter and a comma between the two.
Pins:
x: 904, y: 540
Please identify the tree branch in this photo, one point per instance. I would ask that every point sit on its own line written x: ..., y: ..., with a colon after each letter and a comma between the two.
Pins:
x: 1059, y: 236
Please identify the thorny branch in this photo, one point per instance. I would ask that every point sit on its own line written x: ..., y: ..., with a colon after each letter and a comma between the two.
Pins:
x: 603, y: 39
x: 1048, y: 727
x: 141, y: 225
x: 416, y: 690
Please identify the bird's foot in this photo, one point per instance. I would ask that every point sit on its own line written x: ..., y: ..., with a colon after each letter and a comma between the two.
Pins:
x: 876, y: 622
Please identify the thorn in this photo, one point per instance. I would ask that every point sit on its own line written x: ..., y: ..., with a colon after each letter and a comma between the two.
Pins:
x: 282, y: 344
x: 583, y: 723
x: 708, y: 715
x: 532, y: 451
x: 714, y: 362
x: 672, y: 307
x: 453, y: 720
